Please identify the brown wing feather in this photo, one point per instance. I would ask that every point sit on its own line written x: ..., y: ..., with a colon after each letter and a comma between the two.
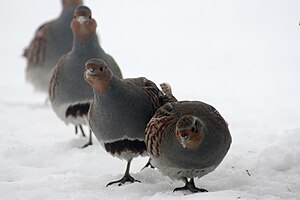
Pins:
x: 149, y: 88
x: 166, y: 88
x: 153, y: 93
x: 36, y: 51
x: 157, y: 97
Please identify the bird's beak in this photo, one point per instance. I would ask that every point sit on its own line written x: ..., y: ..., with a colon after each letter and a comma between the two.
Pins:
x: 89, y: 72
x: 185, y: 140
x: 81, y: 19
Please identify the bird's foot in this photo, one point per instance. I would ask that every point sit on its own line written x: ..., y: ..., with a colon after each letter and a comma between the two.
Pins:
x: 148, y: 164
x: 126, y: 178
x: 87, y: 144
x: 90, y: 142
x: 192, y: 189
x: 190, y: 185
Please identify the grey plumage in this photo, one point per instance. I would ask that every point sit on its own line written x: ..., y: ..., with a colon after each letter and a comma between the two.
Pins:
x: 69, y: 94
x: 50, y: 42
x: 123, y: 111
x: 176, y: 124
x: 120, y: 110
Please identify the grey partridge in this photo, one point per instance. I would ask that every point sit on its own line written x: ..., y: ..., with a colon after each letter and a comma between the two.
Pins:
x: 70, y: 95
x: 120, y: 111
x: 50, y: 42
x: 187, y: 139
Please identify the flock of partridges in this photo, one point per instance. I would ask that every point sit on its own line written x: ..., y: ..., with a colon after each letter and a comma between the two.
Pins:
x: 130, y: 117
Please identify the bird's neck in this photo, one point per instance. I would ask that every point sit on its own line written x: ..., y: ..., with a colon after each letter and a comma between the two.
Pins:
x: 89, y: 44
x: 113, y: 91
x: 67, y: 13
x: 71, y: 3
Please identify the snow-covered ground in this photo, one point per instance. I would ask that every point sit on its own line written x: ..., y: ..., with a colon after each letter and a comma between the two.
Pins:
x: 240, y: 56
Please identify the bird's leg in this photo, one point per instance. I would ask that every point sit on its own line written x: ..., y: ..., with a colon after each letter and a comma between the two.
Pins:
x: 193, y: 188
x: 76, y: 129
x: 126, y: 178
x: 190, y: 185
x: 90, y: 142
x: 182, y: 188
x: 148, y: 164
x: 81, y: 129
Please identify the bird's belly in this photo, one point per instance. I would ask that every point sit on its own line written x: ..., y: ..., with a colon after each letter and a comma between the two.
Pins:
x: 39, y: 77
x: 72, y: 114
x: 126, y: 149
x: 179, y: 173
x: 110, y: 128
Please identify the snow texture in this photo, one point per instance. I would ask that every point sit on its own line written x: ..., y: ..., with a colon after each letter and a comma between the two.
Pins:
x: 242, y: 57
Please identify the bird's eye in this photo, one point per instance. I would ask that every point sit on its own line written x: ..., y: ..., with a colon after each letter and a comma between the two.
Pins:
x: 193, y: 129
x: 90, y: 17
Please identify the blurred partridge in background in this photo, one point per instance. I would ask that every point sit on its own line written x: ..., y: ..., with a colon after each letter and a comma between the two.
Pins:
x: 50, y: 42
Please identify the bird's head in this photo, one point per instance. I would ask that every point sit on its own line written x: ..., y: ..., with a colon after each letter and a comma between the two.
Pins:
x: 190, y: 131
x: 83, y: 25
x: 97, y: 74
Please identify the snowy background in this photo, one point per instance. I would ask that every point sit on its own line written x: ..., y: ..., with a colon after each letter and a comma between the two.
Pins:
x: 240, y: 56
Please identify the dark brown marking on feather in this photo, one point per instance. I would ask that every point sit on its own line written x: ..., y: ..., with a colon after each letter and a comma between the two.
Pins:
x: 154, y: 94
x: 36, y: 51
x: 78, y: 110
x: 117, y: 147
x: 54, y: 79
x: 167, y: 90
x: 155, y: 130
x: 53, y: 83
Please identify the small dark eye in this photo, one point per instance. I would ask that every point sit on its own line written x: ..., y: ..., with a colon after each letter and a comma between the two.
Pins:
x: 193, y: 129
x: 90, y: 17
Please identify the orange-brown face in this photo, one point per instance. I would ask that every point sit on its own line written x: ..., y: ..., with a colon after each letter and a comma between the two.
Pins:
x: 83, y: 25
x: 97, y: 74
x: 189, y: 131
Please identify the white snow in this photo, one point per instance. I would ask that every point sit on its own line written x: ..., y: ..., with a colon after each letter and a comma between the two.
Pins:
x: 240, y: 56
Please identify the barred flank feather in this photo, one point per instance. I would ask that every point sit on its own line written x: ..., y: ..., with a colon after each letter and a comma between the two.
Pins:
x: 54, y: 81
x: 156, y: 127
